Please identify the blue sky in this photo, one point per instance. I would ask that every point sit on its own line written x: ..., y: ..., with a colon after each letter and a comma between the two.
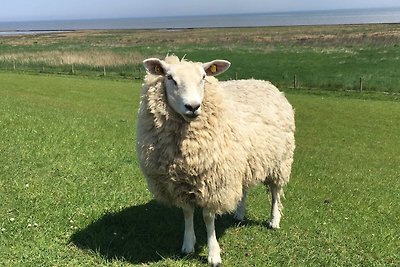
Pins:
x: 16, y: 10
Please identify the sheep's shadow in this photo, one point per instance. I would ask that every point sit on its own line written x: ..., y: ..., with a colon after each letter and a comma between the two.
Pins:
x: 144, y: 233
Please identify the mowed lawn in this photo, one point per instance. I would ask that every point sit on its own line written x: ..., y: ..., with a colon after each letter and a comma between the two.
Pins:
x: 71, y: 193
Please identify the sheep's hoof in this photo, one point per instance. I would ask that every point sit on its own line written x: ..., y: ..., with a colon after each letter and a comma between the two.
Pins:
x: 273, y: 225
x: 215, y: 264
x: 214, y: 260
x: 238, y: 217
x: 187, y: 251
x: 188, y: 245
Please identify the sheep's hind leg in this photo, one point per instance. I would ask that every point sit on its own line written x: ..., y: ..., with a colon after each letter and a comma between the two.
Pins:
x: 189, y: 238
x: 276, y: 207
x: 214, y: 251
x: 241, y: 208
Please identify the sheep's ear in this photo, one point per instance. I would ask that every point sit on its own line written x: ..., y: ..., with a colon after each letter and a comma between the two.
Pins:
x: 155, y: 66
x: 216, y: 67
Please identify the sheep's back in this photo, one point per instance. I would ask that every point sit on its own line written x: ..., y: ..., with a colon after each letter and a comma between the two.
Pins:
x: 258, y: 101
x: 265, y: 120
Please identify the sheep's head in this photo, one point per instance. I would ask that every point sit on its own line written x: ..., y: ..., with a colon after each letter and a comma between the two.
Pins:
x: 184, y: 82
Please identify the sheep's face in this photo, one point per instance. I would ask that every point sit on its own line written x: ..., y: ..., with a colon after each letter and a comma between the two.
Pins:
x: 184, y: 82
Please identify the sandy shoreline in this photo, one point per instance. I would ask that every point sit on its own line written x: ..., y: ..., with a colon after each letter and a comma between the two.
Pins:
x: 5, y: 33
x: 29, y: 32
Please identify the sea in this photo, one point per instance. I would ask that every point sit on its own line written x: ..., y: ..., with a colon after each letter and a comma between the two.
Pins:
x: 327, y: 17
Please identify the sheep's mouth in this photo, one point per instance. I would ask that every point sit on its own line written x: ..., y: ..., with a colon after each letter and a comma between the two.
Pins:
x: 190, y: 116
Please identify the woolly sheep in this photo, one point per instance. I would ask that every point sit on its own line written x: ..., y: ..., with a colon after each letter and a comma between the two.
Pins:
x: 202, y: 143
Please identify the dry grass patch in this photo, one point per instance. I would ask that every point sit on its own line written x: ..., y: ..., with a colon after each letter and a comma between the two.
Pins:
x: 96, y: 58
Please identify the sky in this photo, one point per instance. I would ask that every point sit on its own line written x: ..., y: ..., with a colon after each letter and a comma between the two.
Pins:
x: 25, y: 10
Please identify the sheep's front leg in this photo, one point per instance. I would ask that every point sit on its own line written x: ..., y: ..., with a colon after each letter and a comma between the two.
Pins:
x: 214, y: 252
x: 189, y: 238
x: 276, y: 208
x: 241, y: 208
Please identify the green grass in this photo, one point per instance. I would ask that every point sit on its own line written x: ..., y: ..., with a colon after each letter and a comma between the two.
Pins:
x: 65, y: 142
x: 322, y: 57
x: 72, y: 194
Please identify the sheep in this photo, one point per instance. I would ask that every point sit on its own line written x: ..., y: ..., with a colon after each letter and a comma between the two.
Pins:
x: 203, y: 143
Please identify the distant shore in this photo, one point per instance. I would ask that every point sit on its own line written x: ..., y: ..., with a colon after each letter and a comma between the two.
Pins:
x: 34, y: 32
x: 29, y: 32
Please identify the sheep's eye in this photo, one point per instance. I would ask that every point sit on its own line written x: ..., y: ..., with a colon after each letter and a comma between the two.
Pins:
x: 169, y: 77
x: 204, y: 76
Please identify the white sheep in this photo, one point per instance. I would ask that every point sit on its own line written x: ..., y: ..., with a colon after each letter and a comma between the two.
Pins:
x: 202, y: 143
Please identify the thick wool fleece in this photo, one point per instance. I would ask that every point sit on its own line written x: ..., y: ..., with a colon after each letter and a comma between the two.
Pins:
x: 244, y: 135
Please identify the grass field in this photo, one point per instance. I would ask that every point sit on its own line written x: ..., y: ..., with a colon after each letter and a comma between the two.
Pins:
x: 72, y: 194
x: 327, y: 57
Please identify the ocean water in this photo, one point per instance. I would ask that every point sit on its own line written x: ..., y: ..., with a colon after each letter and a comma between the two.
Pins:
x: 353, y: 16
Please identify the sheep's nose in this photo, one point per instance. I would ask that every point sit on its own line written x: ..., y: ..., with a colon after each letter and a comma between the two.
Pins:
x: 192, y: 108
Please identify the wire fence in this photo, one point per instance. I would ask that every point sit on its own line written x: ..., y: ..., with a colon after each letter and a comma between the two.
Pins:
x: 333, y: 82
x: 134, y: 71
x: 286, y: 80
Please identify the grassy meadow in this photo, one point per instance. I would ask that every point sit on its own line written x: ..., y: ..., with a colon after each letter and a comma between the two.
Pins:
x: 71, y: 191
x: 328, y: 57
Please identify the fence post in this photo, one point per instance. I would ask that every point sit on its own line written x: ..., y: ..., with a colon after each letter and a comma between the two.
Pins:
x: 361, y: 85
x: 295, y: 81
x: 72, y: 69
x: 236, y: 75
x: 104, y: 70
x: 14, y: 65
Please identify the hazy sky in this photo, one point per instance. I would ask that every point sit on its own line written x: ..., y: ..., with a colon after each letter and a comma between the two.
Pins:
x: 14, y: 10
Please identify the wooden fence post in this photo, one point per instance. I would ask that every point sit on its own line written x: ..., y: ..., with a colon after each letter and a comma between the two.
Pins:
x: 72, y: 69
x: 295, y: 81
x: 14, y: 65
x: 361, y: 85
x: 104, y: 71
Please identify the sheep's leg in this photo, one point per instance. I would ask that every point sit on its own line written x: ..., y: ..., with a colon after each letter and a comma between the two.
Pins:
x: 214, y: 256
x: 276, y: 207
x: 189, y: 238
x: 241, y: 208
